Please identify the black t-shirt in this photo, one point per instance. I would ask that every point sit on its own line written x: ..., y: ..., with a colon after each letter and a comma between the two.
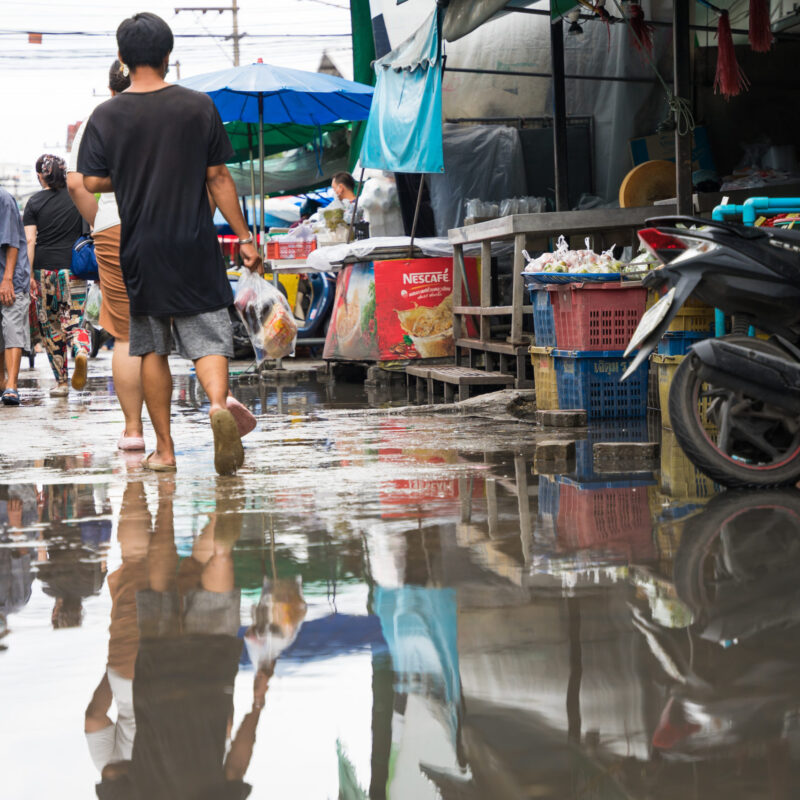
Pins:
x: 58, y: 224
x: 183, y: 702
x: 156, y: 147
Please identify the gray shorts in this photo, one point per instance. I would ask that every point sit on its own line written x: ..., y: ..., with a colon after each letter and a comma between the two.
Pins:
x: 15, y: 330
x: 196, y: 336
x: 160, y: 615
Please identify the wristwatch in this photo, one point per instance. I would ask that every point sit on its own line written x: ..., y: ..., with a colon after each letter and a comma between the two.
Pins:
x: 248, y: 240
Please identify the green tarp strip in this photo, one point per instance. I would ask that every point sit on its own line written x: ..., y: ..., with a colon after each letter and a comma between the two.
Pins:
x: 363, y: 56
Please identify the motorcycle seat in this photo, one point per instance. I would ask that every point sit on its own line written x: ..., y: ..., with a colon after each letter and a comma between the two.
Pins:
x: 784, y: 235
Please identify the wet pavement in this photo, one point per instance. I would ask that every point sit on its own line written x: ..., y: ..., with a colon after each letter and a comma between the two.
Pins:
x: 384, y: 603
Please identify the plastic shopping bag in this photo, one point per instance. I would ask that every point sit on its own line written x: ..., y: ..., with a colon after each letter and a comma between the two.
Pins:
x: 267, y: 317
x: 91, y: 308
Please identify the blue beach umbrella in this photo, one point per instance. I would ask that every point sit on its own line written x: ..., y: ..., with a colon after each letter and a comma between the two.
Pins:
x: 262, y: 93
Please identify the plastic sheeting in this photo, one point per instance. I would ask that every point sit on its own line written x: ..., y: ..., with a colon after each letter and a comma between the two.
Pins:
x: 277, y: 138
x: 404, y: 128
x: 521, y: 42
x: 621, y: 111
x: 483, y: 161
x: 298, y: 170
x: 463, y: 16
x: 325, y: 259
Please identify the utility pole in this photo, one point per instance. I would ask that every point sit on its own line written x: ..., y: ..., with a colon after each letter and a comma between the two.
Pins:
x: 235, y: 13
x: 234, y: 9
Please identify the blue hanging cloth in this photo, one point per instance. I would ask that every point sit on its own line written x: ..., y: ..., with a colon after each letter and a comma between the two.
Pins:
x: 404, y: 130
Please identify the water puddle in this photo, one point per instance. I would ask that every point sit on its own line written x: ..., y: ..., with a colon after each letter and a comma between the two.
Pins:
x: 388, y: 606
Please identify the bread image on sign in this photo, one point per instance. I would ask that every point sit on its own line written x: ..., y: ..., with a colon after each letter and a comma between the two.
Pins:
x: 430, y: 329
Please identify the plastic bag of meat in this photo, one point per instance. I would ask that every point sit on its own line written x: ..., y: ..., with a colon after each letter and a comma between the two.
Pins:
x: 267, y: 317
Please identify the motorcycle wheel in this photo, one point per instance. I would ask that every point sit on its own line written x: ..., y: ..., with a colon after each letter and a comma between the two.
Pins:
x: 756, y: 445
x: 700, y: 569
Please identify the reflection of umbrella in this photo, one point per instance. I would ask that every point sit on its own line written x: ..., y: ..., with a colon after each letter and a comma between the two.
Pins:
x: 259, y: 93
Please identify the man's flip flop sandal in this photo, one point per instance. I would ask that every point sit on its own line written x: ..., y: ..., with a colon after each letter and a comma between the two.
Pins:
x: 228, y: 450
x: 147, y: 464
x: 10, y: 397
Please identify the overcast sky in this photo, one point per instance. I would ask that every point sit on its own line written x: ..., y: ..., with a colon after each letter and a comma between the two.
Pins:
x: 45, y: 87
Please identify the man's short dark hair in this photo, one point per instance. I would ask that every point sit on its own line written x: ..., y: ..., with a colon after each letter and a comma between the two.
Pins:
x: 144, y: 40
x: 346, y: 179
x: 117, y: 82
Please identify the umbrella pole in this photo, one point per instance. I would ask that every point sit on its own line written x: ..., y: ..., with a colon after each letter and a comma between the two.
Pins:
x: 252, y: 182
x: 261, y: 164
x: 416, y: 216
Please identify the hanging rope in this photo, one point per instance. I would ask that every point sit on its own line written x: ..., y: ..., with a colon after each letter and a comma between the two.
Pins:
x: 679, y: 107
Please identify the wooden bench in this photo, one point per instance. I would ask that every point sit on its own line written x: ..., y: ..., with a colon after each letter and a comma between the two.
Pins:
x: 424, y: 379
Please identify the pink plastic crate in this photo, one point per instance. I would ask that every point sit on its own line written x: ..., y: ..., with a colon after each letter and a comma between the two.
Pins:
x: 280, y: 250
x: 596, y: 316
x: 612, y: 518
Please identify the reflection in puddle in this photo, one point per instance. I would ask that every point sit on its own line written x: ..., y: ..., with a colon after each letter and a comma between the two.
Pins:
x: 389, y: 607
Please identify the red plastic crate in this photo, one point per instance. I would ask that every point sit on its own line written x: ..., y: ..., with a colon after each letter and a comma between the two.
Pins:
x: 281, y: 250
x: 608, y: 518
x: 596, y: 316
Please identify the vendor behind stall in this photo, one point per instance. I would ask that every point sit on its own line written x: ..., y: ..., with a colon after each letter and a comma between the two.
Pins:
x: 344, y: 187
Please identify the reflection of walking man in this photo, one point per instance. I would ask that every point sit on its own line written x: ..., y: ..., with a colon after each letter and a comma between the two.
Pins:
x: 157, y: 146
x: 15, y: 287
x: 187, y: 616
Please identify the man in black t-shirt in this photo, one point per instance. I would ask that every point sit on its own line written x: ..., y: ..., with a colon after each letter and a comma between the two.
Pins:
x: 162, y: 149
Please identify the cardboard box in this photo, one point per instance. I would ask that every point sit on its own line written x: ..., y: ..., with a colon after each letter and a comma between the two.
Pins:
x: 661, y: 147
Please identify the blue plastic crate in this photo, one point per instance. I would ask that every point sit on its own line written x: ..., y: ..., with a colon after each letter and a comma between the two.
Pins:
x: 590, y: 380
x: 544, y: 326
x: 549, y: 492
x: 678, y: 344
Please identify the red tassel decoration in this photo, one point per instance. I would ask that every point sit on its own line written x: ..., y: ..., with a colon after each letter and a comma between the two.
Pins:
x: 730, y: 80
x: 760, y: 34
x: 642, y: 29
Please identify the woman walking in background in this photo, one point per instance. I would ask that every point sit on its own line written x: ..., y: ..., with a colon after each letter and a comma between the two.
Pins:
x: 52, y: 224
x: 103, y: 216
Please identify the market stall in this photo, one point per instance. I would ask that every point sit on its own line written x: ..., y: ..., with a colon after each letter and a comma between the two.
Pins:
x: 674, y: 175
x: 531, y: 233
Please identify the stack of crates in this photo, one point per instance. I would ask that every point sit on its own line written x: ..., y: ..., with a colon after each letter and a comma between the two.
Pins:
x: 693, y: 322
x: 581, y: 331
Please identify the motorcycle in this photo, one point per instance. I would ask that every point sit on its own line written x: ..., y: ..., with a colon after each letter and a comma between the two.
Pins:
x: 734, y: 402
x: 732, y: 672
